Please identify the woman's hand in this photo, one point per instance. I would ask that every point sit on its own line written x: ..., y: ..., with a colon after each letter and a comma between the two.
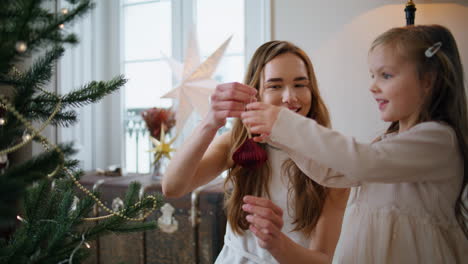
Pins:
x: 260, y: 118
x: 266, y: 221
x: 229, y: 100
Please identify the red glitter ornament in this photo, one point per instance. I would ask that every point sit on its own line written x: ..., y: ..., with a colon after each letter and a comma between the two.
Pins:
x: 250, y: 155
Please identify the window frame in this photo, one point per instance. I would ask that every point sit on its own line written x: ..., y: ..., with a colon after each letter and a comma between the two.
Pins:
x: 182, y: 16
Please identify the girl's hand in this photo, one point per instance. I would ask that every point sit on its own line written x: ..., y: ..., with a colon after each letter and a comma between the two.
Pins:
x: 266, y: 221
x: 229, y: 100
x: 260, y: 118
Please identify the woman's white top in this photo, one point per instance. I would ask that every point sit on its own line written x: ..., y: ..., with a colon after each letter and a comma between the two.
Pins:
x: 244, y: 248
x: 401, y: 206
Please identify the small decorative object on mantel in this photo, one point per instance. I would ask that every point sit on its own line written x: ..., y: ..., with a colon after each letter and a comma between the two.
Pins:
x: 161, y: 149
x: 155, y: 117
x: 112, y: 170
x: 159, y: 122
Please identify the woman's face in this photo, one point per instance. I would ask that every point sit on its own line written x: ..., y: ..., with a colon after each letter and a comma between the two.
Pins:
x: 285, y: 83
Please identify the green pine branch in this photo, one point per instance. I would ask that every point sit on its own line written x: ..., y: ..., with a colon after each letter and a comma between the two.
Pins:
x: 90, y: 93
x: 38, y: 75
x: 93, y: 92
x: 42, y: 106
x: 51, y: 218
x: 18, y: 177
x: 26, y: 21
x: 53, y: 225
x: 63, y: 118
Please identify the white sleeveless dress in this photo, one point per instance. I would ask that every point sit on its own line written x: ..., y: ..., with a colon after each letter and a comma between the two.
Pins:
x: 245, y: 248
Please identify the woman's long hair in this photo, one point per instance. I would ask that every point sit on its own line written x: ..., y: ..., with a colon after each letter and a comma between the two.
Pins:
x: 309, y: 197
x: 446, y: 101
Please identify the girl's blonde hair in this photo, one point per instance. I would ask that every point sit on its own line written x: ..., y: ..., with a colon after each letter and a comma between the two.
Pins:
x: 309, y: 197
x: 446, y: 101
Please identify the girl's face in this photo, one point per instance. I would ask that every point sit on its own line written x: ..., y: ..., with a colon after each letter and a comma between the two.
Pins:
x: 285, y: 83
x: 396, y: 87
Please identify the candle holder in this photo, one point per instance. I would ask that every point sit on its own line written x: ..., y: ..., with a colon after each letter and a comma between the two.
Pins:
x: 410, y: 11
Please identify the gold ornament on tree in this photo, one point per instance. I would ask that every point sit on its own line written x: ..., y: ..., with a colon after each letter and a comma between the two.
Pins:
x: 21, y: 46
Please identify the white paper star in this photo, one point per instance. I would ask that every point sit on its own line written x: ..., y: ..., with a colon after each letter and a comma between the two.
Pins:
x: 195, y: 82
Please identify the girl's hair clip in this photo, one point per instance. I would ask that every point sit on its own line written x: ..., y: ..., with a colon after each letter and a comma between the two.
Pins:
x: 433, y: 49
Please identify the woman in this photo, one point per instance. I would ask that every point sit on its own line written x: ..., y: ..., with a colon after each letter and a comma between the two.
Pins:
x: 306, y: 216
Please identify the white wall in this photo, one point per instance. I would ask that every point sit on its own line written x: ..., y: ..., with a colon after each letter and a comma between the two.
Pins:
x: 337, y: 35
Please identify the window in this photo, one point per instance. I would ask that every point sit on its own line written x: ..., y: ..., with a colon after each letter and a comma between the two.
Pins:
x: 152, y: 29
x: 216, y: 21
x: 147, y: 35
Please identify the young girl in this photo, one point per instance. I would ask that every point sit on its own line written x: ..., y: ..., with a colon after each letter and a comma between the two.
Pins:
x: 408, y: 184
x: 303, y: 214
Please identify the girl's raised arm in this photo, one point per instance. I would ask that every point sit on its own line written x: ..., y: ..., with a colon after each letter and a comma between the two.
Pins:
x: 426, y: 152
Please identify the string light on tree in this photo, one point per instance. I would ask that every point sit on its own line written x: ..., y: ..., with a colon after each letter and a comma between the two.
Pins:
x: 21, y: 46
x: 61, y: 26
x: 26, y: 137
x: 2, y: 114
x: 74, y: 205
x: 3, y: 162
x: 64, y: 11
x: 3, y: 158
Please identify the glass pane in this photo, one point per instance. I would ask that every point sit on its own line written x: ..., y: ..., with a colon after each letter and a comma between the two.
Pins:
x: 231, y: 69
x: 147, y: 31
x: 137, y: 143
x: 216, y: 21
x: 147, y: 82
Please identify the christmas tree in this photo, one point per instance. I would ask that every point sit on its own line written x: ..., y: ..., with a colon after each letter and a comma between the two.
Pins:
x: 38, y: 197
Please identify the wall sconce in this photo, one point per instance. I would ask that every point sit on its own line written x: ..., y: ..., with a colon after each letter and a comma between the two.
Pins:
x: 410, y: 11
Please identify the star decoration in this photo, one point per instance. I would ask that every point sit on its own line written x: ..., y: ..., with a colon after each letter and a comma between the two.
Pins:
x: 195, y: 82
x: 161, y: 147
